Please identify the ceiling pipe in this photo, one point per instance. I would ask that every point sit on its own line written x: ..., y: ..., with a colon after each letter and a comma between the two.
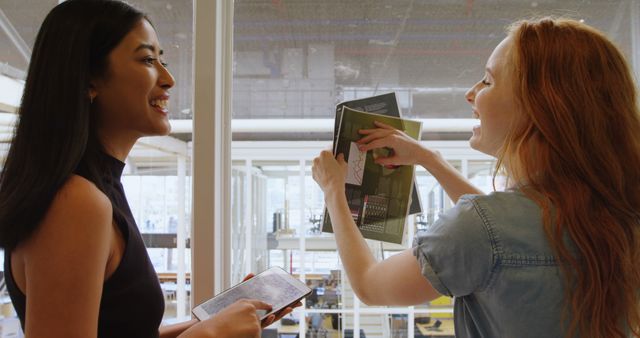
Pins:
x: 285, y: 126
x: 14, y: 36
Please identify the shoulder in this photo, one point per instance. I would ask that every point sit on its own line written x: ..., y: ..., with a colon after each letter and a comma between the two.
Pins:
x: 457, y: 252
x: 78, y: 191
x: 65, y: 261
x: 462, y: 225
x: 515, y: 226
x: 507, y: 202
x: 501, y: 210
x: 79, y: 211
x: 465, y: 213
x: 81, y: 203
x: 466, y: 226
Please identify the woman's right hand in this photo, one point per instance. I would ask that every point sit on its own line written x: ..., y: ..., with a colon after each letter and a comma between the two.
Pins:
x: 238, y: 320
x: 272, y: 318
x: 329, y: 172
x: 406, y: 150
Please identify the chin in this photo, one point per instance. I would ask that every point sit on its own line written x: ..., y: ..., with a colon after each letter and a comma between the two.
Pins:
x: 163, y: 128
x: 158, y: 130
x: 473, y: 143
x: 167, y: 129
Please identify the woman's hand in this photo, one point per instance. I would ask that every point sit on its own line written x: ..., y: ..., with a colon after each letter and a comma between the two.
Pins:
x: 406, y: 150
x: 329, y: 172
x: 238, y: 320
x: 272, y: 318
x: 279, y: 315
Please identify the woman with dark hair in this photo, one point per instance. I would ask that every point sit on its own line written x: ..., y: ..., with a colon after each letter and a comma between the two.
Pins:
x: 555, y: 255
x: 75, y: 263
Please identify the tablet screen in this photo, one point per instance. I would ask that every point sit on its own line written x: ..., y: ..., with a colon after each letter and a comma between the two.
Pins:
x: 273, y: 286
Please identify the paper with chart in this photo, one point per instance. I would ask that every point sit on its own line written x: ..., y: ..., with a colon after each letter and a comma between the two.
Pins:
x: 385, y: 104
x: 378, y: 196
x: 355, y: 165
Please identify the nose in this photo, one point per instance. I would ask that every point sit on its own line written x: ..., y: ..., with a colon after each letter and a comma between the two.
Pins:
x: 166, y: 79
x: 470, y: 95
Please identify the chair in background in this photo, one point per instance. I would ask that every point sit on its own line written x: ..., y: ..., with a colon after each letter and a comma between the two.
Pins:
x: 289, y: 335
x: 348, y: 333
x: 270, y: 333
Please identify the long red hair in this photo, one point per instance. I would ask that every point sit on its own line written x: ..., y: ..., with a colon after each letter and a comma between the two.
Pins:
x: 576, y: 152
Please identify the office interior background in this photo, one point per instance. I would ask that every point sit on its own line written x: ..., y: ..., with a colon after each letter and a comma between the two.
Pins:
x: 290, y: 63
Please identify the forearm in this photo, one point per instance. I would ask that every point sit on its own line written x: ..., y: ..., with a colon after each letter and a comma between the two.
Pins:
x: 174, y: 330
x: 451, y: 180
x: 353, y: 249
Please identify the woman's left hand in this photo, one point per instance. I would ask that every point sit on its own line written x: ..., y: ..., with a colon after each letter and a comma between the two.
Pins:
x: 406, y: 151
x: 329, y: 172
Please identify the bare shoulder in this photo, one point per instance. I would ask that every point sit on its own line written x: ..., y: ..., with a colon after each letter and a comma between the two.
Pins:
x: 63, y: 262
x: 79, y: 211
x: 78, y: 191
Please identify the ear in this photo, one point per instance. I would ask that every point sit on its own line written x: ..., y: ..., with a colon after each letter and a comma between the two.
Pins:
x: 92, y: 92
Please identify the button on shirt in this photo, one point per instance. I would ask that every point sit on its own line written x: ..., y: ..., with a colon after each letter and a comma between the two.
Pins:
x: 490, y: 252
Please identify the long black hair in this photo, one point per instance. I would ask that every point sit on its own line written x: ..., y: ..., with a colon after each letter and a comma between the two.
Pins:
x: 56, y: 128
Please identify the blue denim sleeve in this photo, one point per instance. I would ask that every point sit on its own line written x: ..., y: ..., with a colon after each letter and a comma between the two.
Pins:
x: 455, y: 253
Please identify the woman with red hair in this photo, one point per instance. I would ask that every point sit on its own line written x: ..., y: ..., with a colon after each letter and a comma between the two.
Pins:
x: 557, y: 253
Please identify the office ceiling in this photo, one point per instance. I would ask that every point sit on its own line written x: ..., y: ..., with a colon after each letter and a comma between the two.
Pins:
x: 435, y: 48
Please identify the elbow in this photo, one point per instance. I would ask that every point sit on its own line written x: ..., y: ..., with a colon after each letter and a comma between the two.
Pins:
x: 365, y: 296
x: 367, y: 292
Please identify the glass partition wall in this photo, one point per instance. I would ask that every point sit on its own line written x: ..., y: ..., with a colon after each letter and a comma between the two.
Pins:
x: 277, y: 212
x: 294, y: 61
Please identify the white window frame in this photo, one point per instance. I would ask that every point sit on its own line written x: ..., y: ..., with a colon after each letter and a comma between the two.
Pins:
x: 213, y: 61
x: 210, y: 239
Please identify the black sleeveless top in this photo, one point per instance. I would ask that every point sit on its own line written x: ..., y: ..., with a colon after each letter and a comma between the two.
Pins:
x: 132, y: 302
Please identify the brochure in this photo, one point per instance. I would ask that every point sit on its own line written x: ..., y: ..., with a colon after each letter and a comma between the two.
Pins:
x: 378, y: 196
x: 385, y: 104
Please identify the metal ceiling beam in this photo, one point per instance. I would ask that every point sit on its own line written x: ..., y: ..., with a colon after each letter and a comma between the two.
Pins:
x: 614, y: 28
x: 12, y: 72
x: 14, y: 36
x: 369, y: 22
x: 635, y: 37
x: 306, y: 125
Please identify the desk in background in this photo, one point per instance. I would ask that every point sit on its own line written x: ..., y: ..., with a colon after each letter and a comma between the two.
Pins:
x: 172, y: 277
x: 446, y: 329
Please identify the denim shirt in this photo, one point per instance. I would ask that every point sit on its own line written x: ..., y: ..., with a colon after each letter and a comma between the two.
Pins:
x: 490, y: 252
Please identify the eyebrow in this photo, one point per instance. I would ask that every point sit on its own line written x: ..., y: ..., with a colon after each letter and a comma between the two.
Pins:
x: 149, y: 47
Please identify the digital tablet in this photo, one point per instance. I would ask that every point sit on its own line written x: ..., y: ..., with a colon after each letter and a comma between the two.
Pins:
x: 273, y: 286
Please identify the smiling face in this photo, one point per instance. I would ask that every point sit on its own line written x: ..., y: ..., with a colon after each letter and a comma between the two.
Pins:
x: 132, y: 97
x: 493, y: 102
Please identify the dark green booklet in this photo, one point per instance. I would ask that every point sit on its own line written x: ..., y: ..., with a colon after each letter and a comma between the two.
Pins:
x: 378, y: 196
x: 383, y: 104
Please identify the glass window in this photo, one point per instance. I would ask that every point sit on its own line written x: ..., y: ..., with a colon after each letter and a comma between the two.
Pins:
x: 158, y: 182
x: 293, y: 61
x: 481, y: 175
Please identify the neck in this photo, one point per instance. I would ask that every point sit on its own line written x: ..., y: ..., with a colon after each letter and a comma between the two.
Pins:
x: 117, y: 146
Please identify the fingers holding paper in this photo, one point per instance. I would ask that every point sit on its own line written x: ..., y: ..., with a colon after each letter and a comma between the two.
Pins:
x: 404, y: 149
x: 329, y: 172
